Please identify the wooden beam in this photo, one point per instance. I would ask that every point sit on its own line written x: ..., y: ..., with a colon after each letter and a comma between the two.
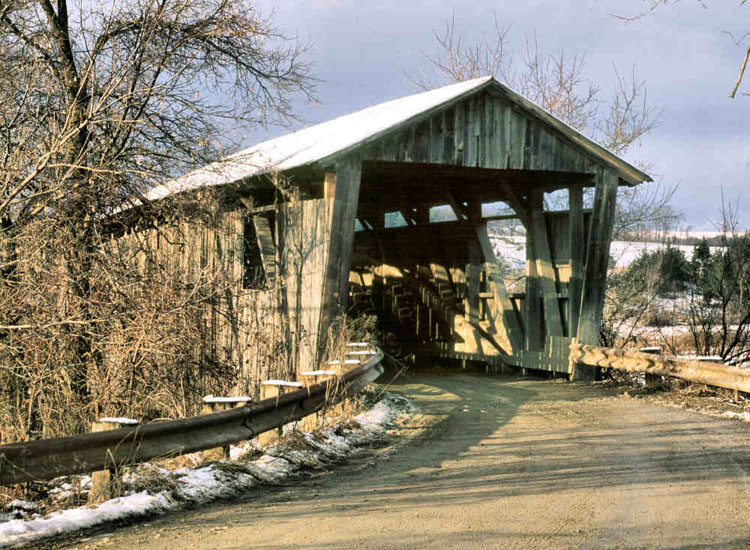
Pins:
x: 460, y: 210
x: 409, y: 215
x: 473, y: 274
x: 576, y: 239
x: 700, y: 372
x: 329, y: 185
x: 532, y: 311
x: 474, y: 211
x: 515, y: 202
x: 345, y: 183
x: 597, y: 258
x: 544, y: 267
x: 266, y: 246
x: 507, y: 320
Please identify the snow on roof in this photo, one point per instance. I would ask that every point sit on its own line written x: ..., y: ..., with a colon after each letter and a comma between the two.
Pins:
x: 328, y: 138
x: 316, y: 142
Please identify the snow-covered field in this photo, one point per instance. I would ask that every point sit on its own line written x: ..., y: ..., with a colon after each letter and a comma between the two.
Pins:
x: 222, y: 479
x: 513, y: 250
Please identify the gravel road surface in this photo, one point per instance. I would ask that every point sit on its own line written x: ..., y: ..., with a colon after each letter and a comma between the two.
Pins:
x: 500, y: 462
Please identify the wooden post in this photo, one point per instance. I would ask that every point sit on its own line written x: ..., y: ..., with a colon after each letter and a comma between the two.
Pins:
x: 648, y: 377
x: 576, y: 239
x: 334, y: 299
x: 212, y: 404
x: 101, y: 481
x: 509, y: 321
x: 544, y: 267
x: 532, y: 312
x: 597, y: 259
x: 266, y: 246
x: 273, y: 389
x: 473, y: 273
x: 329, y: 185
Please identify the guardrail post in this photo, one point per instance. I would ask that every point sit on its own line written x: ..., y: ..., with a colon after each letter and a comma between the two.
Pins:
x: 273, y: 389
x: 310, y: 378
x: 213, y: 404
x: 652, y: 378
x: 101, y: 481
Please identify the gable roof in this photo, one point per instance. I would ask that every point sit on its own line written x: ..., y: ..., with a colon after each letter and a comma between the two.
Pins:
x: 335, y: 136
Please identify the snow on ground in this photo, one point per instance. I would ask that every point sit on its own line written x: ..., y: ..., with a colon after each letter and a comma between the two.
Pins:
x: 222, y: 479
x: 744, y: 416
x: 513, y: 250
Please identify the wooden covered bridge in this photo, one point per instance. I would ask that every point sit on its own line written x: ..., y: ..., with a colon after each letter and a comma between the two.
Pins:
x: 340, y: 218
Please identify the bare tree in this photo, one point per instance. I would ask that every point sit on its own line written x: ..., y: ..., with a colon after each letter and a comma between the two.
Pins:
x: 718, y: 312
x: 742, y: 40
x: 555, y: 82
x: 455, y: 61
x: 98, y: 102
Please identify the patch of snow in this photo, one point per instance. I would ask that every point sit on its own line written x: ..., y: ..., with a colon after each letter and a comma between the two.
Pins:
x: 22, y: 505
x: 511, y: 249
x: 318, y: 373
x: 709, y: 358
x: 138, y: 504
x: 243, y: 449
x: 744, y: 416
x: 239, y: 399
x: 222, y: 479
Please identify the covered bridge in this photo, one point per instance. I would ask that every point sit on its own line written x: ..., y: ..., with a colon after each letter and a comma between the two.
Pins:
x: 314, y: 218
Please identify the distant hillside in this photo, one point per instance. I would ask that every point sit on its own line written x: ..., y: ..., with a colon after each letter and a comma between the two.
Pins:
x: 513, y: 249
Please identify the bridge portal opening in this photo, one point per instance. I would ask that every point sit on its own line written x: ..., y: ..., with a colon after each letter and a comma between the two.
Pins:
x: 425, y: 262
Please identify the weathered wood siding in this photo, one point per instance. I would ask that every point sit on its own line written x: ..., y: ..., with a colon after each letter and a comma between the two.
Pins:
x: 482, y: 131
x: 304, y: 242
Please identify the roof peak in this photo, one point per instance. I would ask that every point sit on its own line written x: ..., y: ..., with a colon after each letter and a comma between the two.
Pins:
x: 321, y: 141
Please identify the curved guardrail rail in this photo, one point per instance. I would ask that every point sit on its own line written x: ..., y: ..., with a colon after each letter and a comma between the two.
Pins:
x: 49, y: 458
x: 712, y: 374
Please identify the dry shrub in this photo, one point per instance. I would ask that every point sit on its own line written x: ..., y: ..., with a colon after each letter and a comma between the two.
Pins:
x: 134, y: 342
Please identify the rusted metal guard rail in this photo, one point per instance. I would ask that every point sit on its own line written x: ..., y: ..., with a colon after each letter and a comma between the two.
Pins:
x: 49, y: 458
x: 712, y: 374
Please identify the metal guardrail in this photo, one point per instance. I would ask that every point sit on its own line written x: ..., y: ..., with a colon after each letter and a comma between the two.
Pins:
x: 49, y: 458
x: 711, y: 374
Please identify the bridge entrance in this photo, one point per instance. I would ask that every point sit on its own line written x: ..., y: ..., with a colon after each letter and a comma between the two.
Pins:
x: 425, y: 263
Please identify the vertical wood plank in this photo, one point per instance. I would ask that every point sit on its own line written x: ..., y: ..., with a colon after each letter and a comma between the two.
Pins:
x: 473, y: 273
x: 267, y: 247
x: 508, y: 136
x: 329, y: 185
x: 508, y: 319
x: 436, y: 139
x: 544, y: 267
x: 597, y: 258
x: 336, y: 285
x: 481, y: 131
x: 470, y: 140
x: 460, y: 146
x: 576, y: 239
x: 449, y: 137
x: 532, y: 310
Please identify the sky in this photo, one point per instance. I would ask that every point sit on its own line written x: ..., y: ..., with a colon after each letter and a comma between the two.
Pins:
x: 363, y: 51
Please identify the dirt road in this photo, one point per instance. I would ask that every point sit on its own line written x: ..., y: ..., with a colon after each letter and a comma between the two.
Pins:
x: 507, y: 464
